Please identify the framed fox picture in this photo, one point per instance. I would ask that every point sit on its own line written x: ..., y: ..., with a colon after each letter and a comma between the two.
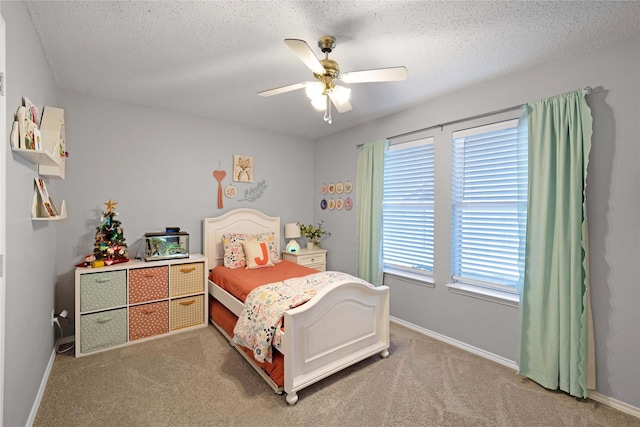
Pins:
x: 242, y: 168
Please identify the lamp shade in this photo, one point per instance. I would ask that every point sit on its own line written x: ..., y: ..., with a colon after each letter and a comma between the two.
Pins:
x: 291, y: 231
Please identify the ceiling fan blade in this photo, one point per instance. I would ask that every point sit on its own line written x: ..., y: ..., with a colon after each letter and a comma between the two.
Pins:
x: 343, y: 106
x: 304, y: 52
x: 392, y: 74
x: 282, y: 89
x: 340, y: 98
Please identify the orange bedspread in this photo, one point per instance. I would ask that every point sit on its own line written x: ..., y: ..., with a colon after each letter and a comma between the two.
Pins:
x: 239, y: 282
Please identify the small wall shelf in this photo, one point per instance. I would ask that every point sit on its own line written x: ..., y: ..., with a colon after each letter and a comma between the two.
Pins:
x: 37, y: 214
x: 51, y: 157
x: 49, y: 164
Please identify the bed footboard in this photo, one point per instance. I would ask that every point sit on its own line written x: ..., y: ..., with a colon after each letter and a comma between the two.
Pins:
x: 343, y: 324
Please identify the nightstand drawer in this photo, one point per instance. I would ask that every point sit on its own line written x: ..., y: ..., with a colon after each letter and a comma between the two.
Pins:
x: 187, y: 279
x: 103, y: 290
x: 147, y: 320
x: 186, y: 312
x: 148, y: 284
x: 103, y: 329
x: 310, y: 260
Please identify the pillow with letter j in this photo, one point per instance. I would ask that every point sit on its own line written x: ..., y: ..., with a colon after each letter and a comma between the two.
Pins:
x: 257, y: 255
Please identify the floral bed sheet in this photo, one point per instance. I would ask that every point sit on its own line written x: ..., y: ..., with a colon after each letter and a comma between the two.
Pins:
x: 260, y: 323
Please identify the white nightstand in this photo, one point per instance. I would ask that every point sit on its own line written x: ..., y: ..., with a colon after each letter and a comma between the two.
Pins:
x: 313, y: 258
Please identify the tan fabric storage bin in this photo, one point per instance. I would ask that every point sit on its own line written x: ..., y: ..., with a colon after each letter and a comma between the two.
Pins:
x: 186, y: 278
x: 185, y: 312
x: 103, y: 329
x: 147, y: 320
x: 103, y: 290
x: 148, y: 284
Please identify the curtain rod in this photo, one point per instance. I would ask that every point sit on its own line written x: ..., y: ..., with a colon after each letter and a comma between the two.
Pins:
x: 466, y: 119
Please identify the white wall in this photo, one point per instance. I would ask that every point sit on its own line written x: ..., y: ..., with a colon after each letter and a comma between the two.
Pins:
x: 31, y: 246
x: 613, y: 204
x: 3, y: 209
x: 159, y: 167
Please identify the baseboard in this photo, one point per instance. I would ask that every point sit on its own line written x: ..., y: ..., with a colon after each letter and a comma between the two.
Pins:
x: 593, y: 395
x: 471, y: 349
x: 43, y: 385
x: 616, y: 404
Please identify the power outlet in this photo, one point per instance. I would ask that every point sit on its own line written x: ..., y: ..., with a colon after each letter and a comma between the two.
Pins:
x: 53, y: 317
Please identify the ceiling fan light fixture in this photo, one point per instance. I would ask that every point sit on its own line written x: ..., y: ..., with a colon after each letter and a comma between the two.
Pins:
x: 314, y: 90
x: 323, y: 93
x: 341, y: 94
x: 319, y: 102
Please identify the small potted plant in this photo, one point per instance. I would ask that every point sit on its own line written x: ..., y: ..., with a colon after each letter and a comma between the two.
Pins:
x: 313, y: 234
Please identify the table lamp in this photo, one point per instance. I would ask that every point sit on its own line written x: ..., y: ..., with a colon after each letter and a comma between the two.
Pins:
x: 292, y: 231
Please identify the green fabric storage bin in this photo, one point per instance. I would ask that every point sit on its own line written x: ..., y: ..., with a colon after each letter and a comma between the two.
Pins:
x: 103, y: 329
x: 103, y: 290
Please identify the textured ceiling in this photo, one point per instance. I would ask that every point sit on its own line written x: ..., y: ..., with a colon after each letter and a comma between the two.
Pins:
x: 211, y: 58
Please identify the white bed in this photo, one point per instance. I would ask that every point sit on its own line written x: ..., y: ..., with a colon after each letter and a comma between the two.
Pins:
x: 357, y: 315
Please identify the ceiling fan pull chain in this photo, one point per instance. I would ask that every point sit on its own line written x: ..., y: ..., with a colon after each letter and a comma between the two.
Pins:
x: 327, y: 111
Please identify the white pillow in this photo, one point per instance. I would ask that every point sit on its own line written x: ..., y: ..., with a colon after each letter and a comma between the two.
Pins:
x: 257, y: 255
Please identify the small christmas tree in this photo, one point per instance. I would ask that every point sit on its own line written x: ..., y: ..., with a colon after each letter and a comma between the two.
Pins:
x: 110, y: 244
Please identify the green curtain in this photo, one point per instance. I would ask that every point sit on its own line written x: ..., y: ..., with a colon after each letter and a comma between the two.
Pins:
x: 369, y: 186
x: 554, y: 343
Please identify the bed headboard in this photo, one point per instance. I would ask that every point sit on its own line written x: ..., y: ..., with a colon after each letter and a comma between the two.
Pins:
x: 243, y: 220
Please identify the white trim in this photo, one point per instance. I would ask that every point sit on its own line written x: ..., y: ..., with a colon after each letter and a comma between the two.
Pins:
x: 471, y: 349
x: 409, y: 277
x: 43, y: 385
x: 593, y: 395
x: 492, y: 295
x: 615, y: 404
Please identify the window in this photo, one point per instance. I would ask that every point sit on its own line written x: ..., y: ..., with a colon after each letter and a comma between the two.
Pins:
x: 489, y: 206
x: 407, y: 207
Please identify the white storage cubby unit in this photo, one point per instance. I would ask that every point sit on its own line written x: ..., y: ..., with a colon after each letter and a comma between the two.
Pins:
x: 130, y: 302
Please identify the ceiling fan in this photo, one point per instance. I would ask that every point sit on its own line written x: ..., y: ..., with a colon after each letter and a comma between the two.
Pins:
x: 324, y: 91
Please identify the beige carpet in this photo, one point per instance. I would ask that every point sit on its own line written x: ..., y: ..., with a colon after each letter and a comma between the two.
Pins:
x: 196, y: 379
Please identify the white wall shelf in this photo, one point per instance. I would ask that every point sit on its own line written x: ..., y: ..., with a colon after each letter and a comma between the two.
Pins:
x: 50, y: 158
x: 37, y: 216
x: 42, y: 206
x: 51, y: 163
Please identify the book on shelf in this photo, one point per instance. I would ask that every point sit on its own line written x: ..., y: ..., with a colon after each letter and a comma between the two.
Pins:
x: 28, y: 133
x: 46, y: 207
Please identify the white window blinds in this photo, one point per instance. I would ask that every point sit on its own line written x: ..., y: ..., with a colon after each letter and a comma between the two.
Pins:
x: 407, y: 207
x: 489, y: 206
